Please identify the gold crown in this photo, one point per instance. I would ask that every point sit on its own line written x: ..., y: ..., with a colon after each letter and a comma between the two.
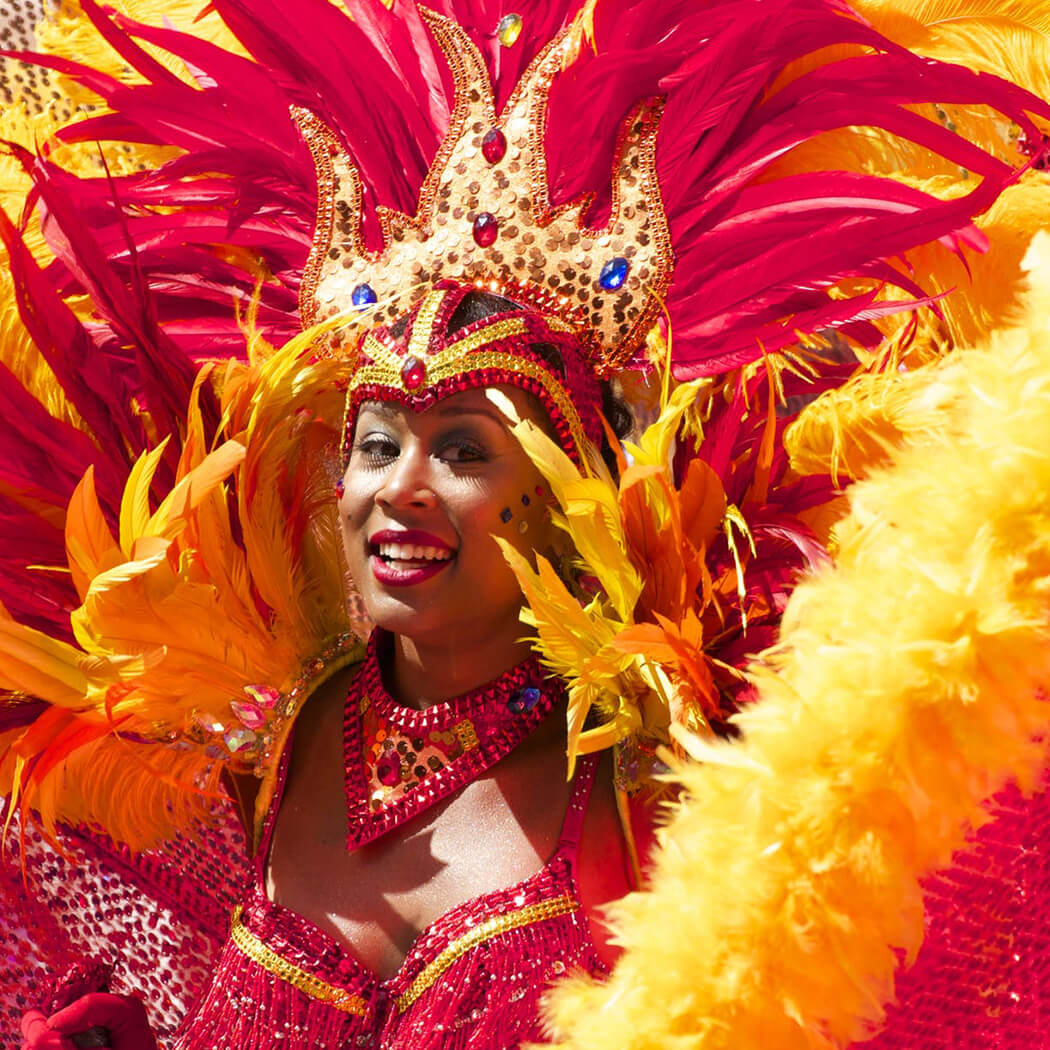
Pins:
x: 485, y: 214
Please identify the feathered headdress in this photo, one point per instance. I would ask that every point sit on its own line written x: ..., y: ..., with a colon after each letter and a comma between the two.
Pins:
x: 413, y: 121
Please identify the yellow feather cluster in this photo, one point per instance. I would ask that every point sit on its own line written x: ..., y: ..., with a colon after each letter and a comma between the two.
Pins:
x: 1010, y: 38
x: 907, y: 688
x: 178, y: 614
x: 32, y: 122
x: 17, y: 351
x: 633, y: 653
x: 68, y: 33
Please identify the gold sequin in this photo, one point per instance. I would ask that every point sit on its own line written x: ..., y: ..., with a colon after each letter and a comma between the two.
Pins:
x: 481, y: 933
x: 422, y: 327
x: 466, y: 734
x: 269, y: 960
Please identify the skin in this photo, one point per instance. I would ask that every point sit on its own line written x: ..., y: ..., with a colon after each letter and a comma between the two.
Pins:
x: 448, y: 471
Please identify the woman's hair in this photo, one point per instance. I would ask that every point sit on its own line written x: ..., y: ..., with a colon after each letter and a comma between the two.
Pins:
x: 478, y: 305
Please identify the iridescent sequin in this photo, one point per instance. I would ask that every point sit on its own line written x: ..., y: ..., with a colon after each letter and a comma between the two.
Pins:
x: 509, y: 29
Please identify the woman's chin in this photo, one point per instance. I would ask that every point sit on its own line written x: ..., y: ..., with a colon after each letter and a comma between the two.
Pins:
x: 405, y: 612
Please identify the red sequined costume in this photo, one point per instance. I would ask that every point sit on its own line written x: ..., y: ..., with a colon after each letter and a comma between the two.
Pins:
x: 473, y: 978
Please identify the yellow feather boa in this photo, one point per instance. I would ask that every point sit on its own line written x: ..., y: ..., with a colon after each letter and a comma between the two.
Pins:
x: 907, y: 688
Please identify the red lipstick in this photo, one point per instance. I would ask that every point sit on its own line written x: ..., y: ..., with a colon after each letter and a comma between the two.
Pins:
x: 409, y: 571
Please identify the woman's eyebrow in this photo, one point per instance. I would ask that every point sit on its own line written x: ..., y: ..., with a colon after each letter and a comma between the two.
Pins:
x: 379, y: 408
x: 468, y: 410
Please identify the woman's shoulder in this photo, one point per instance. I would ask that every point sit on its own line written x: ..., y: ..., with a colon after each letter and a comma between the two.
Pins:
x: 316, y: 714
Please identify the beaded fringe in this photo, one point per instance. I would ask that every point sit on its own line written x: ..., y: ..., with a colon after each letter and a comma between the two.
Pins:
x: 488, y: 995
x: 252, y: 1009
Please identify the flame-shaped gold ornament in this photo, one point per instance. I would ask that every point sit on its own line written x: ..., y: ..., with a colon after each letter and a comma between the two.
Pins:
x: 485, y: 216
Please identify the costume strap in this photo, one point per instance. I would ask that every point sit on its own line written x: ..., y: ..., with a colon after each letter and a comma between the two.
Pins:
x: 266, y: 822
x: 572, y: 826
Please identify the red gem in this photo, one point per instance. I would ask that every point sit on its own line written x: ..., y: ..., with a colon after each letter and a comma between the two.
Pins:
x: 485, y: 229
x: 494, y: 146
x: 388, y: 769
x: 413, y: 372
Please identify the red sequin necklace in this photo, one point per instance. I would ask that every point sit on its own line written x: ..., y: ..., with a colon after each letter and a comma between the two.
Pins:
x: 400, y: 761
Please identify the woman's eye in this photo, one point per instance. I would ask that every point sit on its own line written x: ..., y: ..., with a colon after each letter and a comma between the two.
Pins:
x: 377, y: 448
x: 463, y: 452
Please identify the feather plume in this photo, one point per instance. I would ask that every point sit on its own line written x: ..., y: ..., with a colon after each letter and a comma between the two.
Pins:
x: 908, y: 686
x: 656, y: 550
x: 185, y: 607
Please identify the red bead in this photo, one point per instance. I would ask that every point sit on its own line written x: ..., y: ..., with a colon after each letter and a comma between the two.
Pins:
x: 494, y: 146
x: 486, y: 227
x: 413, y: 372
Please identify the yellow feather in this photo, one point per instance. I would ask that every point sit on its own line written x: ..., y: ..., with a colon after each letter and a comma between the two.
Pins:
x: 1010, y: 38
x: 590, y: 515
x: 90, y: 547
x: 134, y: 505
x: 37, y: 665
x: 197, y: 485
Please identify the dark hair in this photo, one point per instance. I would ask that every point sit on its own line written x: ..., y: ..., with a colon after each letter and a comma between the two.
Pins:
x: 476, y: 306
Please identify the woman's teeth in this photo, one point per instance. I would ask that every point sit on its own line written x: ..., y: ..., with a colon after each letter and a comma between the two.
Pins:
x: 412, y: 552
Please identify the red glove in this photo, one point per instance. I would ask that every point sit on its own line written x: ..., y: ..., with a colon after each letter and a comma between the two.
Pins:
x: 37, y: 1036
x: 95, y: 1020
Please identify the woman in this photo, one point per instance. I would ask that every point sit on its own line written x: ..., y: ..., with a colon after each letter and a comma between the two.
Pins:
x: 431, y: 899
x: 474, y: 869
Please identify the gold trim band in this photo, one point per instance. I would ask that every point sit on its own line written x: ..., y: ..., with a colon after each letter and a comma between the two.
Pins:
x: 484, y: 932
x: 384, y: 375
x: 314, y: 987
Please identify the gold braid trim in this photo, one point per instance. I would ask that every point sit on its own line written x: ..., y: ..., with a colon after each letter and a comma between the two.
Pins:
x: 423, y: 325
x: 485, y: 932
x: 469, y: 344
x: 384, y: 375
x: 309, y: 985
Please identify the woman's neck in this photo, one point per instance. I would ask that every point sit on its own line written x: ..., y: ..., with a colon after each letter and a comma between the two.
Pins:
x: 422, y: 673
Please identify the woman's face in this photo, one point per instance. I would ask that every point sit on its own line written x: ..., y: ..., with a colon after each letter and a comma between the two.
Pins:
x: 424, y: 494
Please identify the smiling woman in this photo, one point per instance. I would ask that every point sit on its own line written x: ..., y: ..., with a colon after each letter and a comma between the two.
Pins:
x: 424, y: 801
x: 430, y: 241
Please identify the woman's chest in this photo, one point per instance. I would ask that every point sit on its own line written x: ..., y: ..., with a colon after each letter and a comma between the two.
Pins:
x: 375, y: 900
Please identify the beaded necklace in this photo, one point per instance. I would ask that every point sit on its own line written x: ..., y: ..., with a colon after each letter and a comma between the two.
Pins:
x: 400, y: 761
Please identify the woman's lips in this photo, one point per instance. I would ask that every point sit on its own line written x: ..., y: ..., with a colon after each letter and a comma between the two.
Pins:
x: 401, y: 558
x: 405, y: 573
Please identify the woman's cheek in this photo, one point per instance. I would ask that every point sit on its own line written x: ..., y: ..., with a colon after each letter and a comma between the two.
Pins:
x: 524, y: 521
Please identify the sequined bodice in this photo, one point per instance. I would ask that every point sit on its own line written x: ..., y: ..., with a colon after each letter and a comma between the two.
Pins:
x: 472, y: 980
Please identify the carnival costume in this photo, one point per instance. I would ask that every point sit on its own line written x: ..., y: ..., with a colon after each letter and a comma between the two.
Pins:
x: 284, y: 220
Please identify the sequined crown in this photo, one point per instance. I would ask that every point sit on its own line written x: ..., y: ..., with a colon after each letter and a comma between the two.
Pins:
x: 423, y: 357
x: 485, y: 214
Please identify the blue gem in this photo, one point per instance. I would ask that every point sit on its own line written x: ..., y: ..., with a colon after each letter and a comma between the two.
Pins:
x: 505, y: 515
x: 614, y: 273
x: 524, y: 500
x: 364, y: 295
x: 524, y: 700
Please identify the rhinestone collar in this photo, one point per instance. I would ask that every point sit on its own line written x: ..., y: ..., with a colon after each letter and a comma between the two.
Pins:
x: 400, y: 761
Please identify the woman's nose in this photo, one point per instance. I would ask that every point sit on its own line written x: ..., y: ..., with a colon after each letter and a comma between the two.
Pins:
x: 407, y: 481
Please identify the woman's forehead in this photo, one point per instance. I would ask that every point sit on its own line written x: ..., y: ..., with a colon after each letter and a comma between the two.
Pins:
x: 464, y: 403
